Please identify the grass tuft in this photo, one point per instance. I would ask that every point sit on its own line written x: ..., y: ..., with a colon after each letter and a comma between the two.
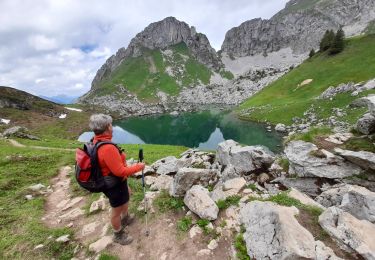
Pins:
x: 231, y: 200
x: 164, y: 202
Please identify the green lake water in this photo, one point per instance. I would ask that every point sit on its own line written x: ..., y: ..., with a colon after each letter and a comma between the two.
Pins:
x: 202, y: 130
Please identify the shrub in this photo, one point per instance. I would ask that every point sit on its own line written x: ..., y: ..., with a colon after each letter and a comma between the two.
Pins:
x: 184, y: 224
x: 231, y: 200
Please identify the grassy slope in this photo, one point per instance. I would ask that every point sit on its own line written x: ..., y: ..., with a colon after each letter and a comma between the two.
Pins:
x: 282, y: 100
x: 138, y: 77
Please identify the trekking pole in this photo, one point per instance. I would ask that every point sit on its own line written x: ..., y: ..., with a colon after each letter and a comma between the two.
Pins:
x: 140, y: 159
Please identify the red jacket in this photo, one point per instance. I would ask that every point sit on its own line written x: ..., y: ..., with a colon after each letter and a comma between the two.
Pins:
x: 110, y: 160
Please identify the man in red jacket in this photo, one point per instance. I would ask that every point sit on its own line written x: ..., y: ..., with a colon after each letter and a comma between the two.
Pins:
x: 112, y: 162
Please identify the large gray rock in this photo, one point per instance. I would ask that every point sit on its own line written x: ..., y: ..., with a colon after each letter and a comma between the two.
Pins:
x: 170, y: 165
x: 273, y: 232
x: 306, y: 160
x: 198, y: 200
x: 187, y: 177
x: 308, y: 186
x: 244, y: 159
x: 349, y: 232
x: 365, y: 160
x: 19, y: 131
x: 357, y: 200
x: 366, y: 124
x: 303, y: 198
x: 229, y: 188
x: 324, y: 253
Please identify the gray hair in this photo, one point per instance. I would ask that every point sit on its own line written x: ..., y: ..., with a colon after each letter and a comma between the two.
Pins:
x: 99, y: 123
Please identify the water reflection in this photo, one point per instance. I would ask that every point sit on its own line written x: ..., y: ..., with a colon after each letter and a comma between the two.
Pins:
x: 203, y: 129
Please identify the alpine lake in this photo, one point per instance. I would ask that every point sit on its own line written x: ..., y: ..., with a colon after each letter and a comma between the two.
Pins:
x: 203, y: 130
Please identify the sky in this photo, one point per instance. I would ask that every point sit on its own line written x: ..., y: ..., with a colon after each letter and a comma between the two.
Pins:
x: 54, y: 47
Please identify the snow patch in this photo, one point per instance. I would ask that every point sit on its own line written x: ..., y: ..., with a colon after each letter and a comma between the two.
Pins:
x: 4, y: 121
x: 74, y: 109
x: 62, y: 116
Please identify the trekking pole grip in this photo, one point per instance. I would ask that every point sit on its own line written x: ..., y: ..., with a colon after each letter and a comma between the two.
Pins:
x: 140, y: 155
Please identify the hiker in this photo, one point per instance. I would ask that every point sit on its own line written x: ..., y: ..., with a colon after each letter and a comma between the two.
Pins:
x: 112, y: 162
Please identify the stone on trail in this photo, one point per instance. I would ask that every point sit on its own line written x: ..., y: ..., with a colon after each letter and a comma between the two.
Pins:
x: 40, y: 246
x: 357, y: 200
x: 101, y: 244
x: 90, y: 228
x: 99, y: 204
x: 73, y: 214
x: 204, y: 252
x: 195, y: 230
x: 350, y: 232
x: 365, y: 160
x: 273, y: 232
x: 187, y: 177
x: 306, y: 160
x: 198, y: 200
x: 213, y: 244
x: 244, y: 159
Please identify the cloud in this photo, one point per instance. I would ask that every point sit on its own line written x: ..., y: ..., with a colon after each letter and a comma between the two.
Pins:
x: 52, y: 47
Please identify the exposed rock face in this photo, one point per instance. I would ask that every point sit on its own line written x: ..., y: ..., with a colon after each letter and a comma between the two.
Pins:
x: 198, y: 200
x: 272, y: 232
x: 160, y: 35
x: 351, y: 233
x: 244, y: 159
x: 306, y: 160
x: 299, y: 26
x: 356, y: 200
x: 19, y: 131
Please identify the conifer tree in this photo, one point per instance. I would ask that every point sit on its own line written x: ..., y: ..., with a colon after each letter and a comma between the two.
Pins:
x: 338, y: 43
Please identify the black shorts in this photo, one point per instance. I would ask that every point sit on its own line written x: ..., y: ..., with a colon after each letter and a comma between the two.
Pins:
x: 118, y: 195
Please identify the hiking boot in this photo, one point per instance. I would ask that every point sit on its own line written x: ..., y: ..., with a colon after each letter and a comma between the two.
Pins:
x: 122, y: 238
x: 128, y: 220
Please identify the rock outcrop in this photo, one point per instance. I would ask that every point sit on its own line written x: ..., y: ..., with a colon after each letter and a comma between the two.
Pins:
x: 358, y: 201
x: 299, y: 26
x: 306, y: 160
x: 352, y: 234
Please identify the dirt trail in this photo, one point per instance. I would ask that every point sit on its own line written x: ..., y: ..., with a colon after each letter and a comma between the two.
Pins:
x: 152, y: 67
x: 165, y: 242
x: 17, y: 144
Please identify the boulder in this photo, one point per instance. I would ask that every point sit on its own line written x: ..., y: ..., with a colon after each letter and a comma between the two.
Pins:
x: 365, y: 160
x: 306, y: 160
x: 234, y: 184
x: 273, y: 232
x: 19, y: 131
x: 187, y: 177
x: 357, y: 200
x: 63, y: 239
x: 198, y: 200
x: 280, y: 128
x: 163, y: 182
x: 350, y: 232
x: 339, y: 138
x: 366, y: 124
x: 170, y: 164
x: 303, y: 198
x: 244, y: 159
